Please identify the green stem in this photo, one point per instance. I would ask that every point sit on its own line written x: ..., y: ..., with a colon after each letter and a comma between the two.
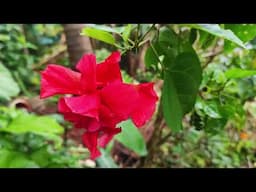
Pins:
x: 137, y: 33
x: 156, y: 54
x: 118, y: 46
x: 137, y: 38
x: 142, y: 38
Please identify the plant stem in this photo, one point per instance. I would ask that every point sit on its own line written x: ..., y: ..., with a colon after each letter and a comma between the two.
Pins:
x: 156, y: 54
x: 215, y: 51
x: 142, y: 38
x: 137, y: 38
x: 165, y: 138
x: 153, y: 143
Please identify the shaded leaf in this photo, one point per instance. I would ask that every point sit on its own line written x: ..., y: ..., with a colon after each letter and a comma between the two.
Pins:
x: 105, y: 160
x: 132, y: 138
x: 41, y: 157
x: 181, y: 83
x: 13, y: 159
x: 215, y: 29
x: 182, y: 75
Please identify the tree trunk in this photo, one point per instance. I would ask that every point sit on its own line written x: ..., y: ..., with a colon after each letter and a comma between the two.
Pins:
x: 76, y: 43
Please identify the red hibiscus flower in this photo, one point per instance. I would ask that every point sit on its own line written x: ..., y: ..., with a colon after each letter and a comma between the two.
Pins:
x: 100, y: 99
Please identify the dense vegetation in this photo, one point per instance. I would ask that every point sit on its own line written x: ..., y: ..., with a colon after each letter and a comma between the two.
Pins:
x: 204, y: 75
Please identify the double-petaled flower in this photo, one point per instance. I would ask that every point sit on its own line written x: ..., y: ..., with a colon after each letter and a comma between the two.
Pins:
x: 100, y: 98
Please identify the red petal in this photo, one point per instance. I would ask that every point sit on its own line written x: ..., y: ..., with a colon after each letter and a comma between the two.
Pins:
x: 90, y: 124
x: 120, y: 98
x: 87, y: 66
x: 107, y: 117
x: 115, y: 57
x: 90, y: 141
x: 80, y: 121
x: 109, y: 70
x: 146, y: 104
x: 86, y: 105
x: 56, y: 79
x: 108, y: 135
x: 62, y: 106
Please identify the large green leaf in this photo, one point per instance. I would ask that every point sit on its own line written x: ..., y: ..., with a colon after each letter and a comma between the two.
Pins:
x: 167, y: 46
x: 182, y: 75
x: 45, y: 126
x: 245, y: 32
x: 171, y: 105
x: 181, y: 83
x: 215, y: 29
x: 150, y: 57
x: 132, y: 138
x: 105, y: 160
x: 8, y: 87
x: 239, y: 73
x: 99, y: 35
x: 13, y: 159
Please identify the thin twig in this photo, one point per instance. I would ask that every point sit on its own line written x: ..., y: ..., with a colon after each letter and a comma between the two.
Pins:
x: 215, y: 51
x: 141, y: 39
x: 165, y: 138
x: 156, y: 54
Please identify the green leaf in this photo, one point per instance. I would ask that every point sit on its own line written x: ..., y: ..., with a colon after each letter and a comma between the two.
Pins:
x: 239, y: 73
x: 150, y: 57
x: 182, y: 75
x: 8, y: 87
x: 215, y: 29
x: 4, y: 37
x: 245, y: 32
x: 132, y: 138
x: 210, y: 108
x: 45, y: 126
x: 192, y: 36
x: 105, y: 160
x: 117, y: 30
x: 171, y: 105
x: 41, y: 157
x: 127, y: 31
x: 181, y: 83
x: 206, y: 39
x: 167, y: 45
x: 214, y: 126
x: 99, y: 35
x: 13, y: 159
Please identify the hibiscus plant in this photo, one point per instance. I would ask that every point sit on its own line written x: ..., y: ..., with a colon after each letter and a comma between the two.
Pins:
x: 100, y: 98
x: 96, y: 98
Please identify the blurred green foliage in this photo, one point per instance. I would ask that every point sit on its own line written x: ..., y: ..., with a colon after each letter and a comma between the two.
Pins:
x: 218, y: 123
